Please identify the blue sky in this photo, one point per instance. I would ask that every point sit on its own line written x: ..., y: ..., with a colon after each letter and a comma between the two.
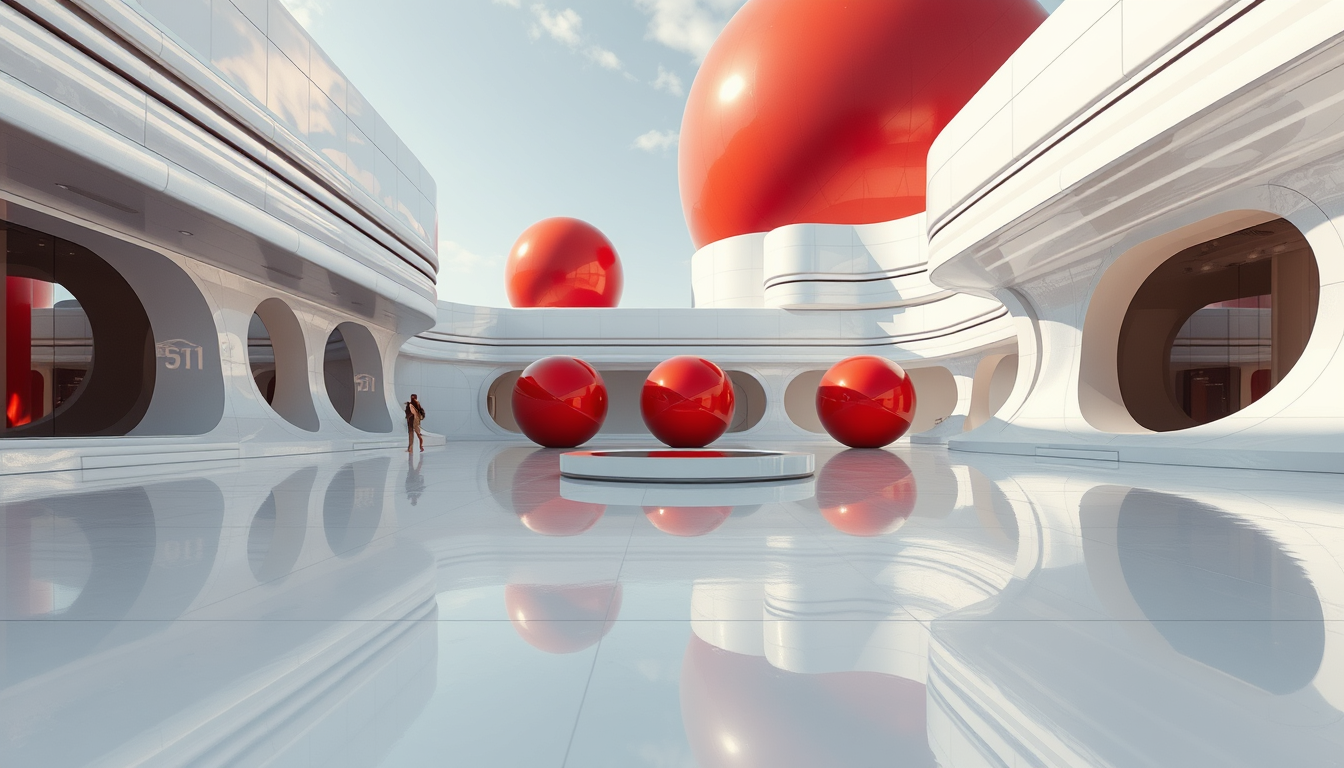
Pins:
x: 525, y: 109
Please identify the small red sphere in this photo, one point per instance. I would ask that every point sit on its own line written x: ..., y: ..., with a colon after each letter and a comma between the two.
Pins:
x: 563, y: 262
x: 866, y: 493
x: 687, y: 521
x: 866, y: 401
x: 560, y: 402
x: 687, y: 402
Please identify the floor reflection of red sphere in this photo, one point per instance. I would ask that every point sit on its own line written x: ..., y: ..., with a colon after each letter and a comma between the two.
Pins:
x: 560, y: 402
x: 562, y: 619
x: 536, y: 498
x: 866, y: 401
x: 563, y: 262
x: 687, y: 521
x: 742, y: 712
x: 687, y: 402
x: 866, y: 493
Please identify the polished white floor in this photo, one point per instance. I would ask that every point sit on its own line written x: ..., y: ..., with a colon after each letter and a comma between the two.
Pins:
x: 467, y: 608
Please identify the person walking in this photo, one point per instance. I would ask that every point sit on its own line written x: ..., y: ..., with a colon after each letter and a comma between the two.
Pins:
x: 415, y: 413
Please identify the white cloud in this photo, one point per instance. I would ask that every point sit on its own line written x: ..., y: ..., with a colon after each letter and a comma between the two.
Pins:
x: 454, y: 259
x: 657, y: 141
x: 604, y: 58
x: 306, y: 11
x: 690, y: 26
x: 509, y: 3
x: 669, y: 81
x: 562, y: 26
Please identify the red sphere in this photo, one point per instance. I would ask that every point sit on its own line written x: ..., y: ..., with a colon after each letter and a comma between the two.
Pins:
x: 687, y: 402
x: 562, y: 619
x: 560, y: 402
x: 687, y: 521
x: 823, y: 112
x: 563, y: 263
x: 866, y: 493
x: 866, y: 401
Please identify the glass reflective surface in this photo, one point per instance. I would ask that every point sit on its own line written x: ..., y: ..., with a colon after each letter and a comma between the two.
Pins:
x: 912, y: 607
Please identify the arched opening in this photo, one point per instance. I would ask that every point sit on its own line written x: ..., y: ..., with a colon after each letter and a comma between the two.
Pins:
x: 749, y: 401
x: 995, y: 376
x: 499, y: 401
x: 279, y: 363
x: 935, y: 397
x: 275, y: 538
x: 352, y: 508
x: 353, y: 372
x: 800, y: 401
x: 1217, y: 326
x: 77, y: 354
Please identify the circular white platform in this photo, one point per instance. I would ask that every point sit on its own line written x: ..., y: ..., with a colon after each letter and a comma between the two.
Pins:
x: 669, y: 465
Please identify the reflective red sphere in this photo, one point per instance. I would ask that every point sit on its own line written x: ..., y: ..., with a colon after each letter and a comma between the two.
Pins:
x: 562, y: 619
x: 560, y: 402
x: 687, y: 521
x: 563, y: 262
x: 866, y: 401
x: 687, y: 402
x: 866, y: 493
x: 823, y: 112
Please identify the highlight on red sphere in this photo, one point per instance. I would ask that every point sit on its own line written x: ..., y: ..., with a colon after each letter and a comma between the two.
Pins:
x: 687, y: 521
x: 687, y: 402
x: 866, y: 401
x: 563, y: 262
x: 866, y: 493
x: 560, y: 402
x: 565, y: 618
x: 807, y: 111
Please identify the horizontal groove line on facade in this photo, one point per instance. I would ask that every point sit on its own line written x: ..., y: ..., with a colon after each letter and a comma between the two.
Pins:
x: 871, y: 341
x: 146, y: 60
x: 803, y: 279
x: 974, y: 197
x: 921, y: 301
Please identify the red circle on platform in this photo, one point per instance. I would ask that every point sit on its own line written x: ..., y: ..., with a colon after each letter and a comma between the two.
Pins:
x: 866, y: 493
x: 866, y: 401
x: 560, y: 402
x: 687, y: 402
x: 687, y: 521
x: 823, y: 112
x: 563, y: 262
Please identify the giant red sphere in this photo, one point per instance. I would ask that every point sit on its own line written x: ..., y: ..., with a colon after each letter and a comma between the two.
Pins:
x: 866, y: 401
x: 687, y: 402
x: 808, y: 111
x: 560, y: 402
x: 563, y: 262
x: 866, y: 493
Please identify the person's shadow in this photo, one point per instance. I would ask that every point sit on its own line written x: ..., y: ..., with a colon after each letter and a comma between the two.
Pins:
x: 415, y: 480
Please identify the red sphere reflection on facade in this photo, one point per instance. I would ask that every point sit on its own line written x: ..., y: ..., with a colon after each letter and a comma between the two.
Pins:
x: 563, y: 262
x: 687, y: 521
x: 687, y: 402
x: 866, y: 493
x: 560, y: 402
x: 866, y: 401
x: 817, y: 112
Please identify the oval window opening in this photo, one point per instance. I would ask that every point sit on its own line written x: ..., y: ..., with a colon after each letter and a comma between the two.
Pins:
x: 1217, y: 326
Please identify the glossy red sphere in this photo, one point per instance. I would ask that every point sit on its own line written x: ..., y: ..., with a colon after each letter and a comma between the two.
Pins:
x: 687, y: 402
x: 808, y: 111
x: 563, y: 263
x: 560, y: 402
x: 866, y: 401
x: 535, y: 498
x: 866, y: 493
x: 562, y: 619
x: 687, y: 521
